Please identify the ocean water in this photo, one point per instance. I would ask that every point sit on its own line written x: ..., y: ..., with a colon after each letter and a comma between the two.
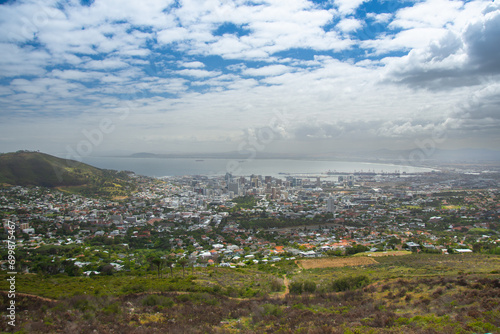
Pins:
x: 158, y: 167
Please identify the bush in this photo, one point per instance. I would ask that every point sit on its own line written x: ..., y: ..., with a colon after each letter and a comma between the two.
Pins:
x: 107, y: 269
x: 135, y: 288
x: 113, y: 308
x: 82, y: 303
x: 309, y: 286
x: 156, y: 300
x: 350, y: 283
x: 296, y: 288
x: 271, y: 309
x: 305, y: 286
x: 276, y: 285
x: 356, y: 249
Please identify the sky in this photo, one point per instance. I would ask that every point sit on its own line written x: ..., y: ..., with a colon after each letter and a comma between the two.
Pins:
x: 86, y: 78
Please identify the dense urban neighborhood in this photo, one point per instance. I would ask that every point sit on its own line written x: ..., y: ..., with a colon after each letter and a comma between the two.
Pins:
x: 233, y: 221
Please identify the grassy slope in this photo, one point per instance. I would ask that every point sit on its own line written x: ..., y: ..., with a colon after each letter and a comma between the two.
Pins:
x: 39, y: 169
x: 34, y: 168
x: 407, y: 294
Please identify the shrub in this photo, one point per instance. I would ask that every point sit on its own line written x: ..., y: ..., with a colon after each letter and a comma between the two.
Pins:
x: 271, y: 309
x: 82, y: 303
x: 402, y: 293
x: 135, y: 288
x: 479, y: 326
x: 309, y: 286
x: 438, y: 292
x: 156, y: 300
x: 296, y: 288
x: 276, y: 285
x: 113, y: 308
x: 350, y: 283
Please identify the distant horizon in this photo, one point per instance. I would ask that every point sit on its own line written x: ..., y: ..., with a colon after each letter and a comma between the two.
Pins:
x: 412, y: 157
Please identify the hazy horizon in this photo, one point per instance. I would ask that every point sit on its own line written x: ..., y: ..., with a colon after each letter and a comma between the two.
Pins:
x: 296, y: 77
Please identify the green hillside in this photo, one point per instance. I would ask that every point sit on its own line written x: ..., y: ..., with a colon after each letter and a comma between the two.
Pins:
x: 39, y: 169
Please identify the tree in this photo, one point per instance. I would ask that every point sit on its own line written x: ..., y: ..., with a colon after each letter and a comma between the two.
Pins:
x: 217, y: 260
x: 169, y: 262
x: 107, y: 269
x: 71, y: 269
x: 158, y: 262
x: 155, y: 261
x: 183, y: 263
x: 203, y: 261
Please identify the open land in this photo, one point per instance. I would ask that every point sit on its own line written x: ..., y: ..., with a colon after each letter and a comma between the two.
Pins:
x: 336, y: 262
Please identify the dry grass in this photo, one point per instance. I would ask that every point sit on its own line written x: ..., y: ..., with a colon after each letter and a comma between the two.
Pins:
x: 380, y: 254
x: 336, y: 262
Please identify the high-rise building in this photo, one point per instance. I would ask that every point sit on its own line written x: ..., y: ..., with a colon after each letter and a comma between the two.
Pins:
x: 330, y: 205
x: 255, y: 182
x: 235, y: 188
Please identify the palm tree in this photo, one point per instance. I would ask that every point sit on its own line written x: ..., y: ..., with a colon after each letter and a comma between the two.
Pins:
x: 155, y: 261
x: 217, y: 261
x: 183, y: 262
x: 158, y: 263
x: 169, y: 262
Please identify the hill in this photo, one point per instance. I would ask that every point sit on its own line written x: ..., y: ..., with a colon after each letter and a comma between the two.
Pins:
x: 25, y: 168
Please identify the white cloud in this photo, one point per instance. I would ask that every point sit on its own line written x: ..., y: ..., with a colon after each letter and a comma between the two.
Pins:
x: 380, y: 18
x: 265, y: 71
x: 163, y: 61
x: 19, y: 61
x: 197, y: 73
x: 463, y: 58
x: 427, y: 14
x: 106, y: 64
x: 482, y: 42
x: 348, y: 6
x: 192, y: 64
x: 77, y: 75
x: 172, y: 35
x: 405, y: 40
x: 230, y: 47
x: 349, y: 24
x: 406, y: 129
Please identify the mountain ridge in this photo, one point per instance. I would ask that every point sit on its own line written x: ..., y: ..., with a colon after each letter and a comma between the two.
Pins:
x: 27, y: 168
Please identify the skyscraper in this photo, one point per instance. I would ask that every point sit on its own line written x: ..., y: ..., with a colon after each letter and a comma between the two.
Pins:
x: 330, y: 205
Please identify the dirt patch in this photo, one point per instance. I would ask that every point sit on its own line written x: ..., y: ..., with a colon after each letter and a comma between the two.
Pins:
x: 30, y: 296
x: 336, y: 262
x: 392, y: 253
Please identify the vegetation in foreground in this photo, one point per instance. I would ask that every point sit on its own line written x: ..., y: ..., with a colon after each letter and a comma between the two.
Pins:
x: 406, y: 294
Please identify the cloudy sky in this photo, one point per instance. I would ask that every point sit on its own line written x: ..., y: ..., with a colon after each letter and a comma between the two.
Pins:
x: 298, y: 76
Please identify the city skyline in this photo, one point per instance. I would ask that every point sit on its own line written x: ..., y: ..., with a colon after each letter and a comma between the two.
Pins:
x: 295, y: 77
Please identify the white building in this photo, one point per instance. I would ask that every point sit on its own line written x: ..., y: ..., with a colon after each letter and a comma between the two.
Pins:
x: 330, y: 205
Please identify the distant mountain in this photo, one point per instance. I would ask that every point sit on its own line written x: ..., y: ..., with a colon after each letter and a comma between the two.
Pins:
x: 39, y: 169
x: 470, y: 155
x: 413, y: 156
x: 143, y: 155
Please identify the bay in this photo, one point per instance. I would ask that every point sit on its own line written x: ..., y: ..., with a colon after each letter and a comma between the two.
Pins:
x: 159, y: 167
